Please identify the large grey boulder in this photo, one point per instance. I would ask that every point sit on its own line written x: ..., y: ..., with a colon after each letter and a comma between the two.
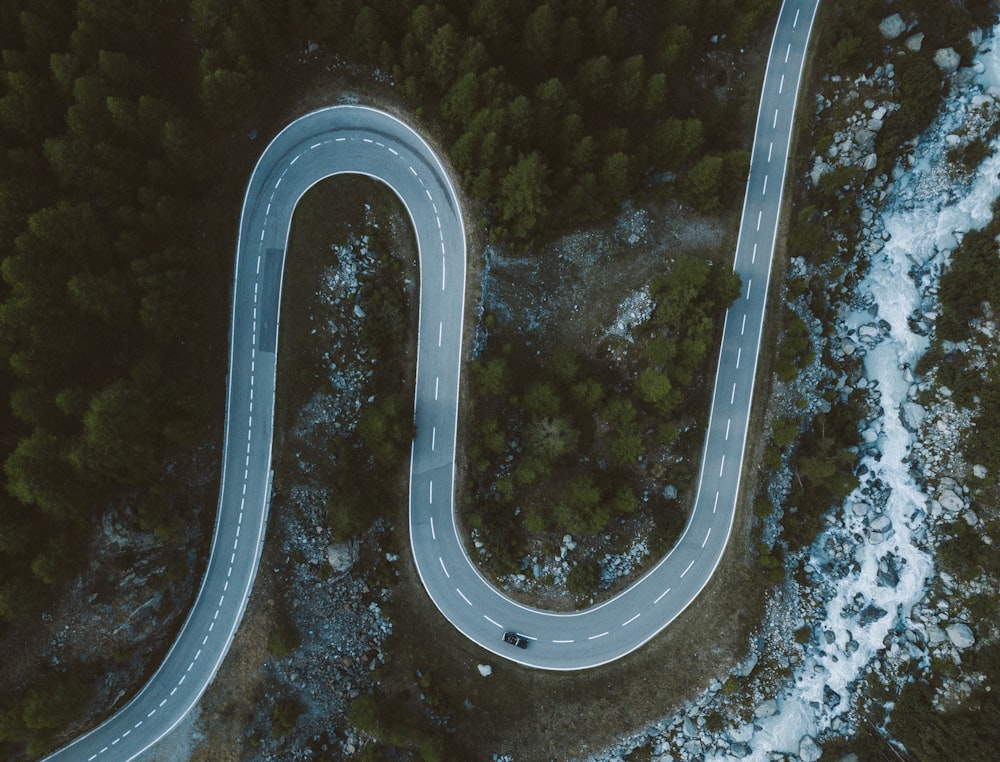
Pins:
x: 947, y: 60
x: 960, y: 635
x: 809, y: 750
x: 892, y: 26
x: 341, y: 556
x: 914, y: 42
x: 912, y: 415
x: 950, y: 501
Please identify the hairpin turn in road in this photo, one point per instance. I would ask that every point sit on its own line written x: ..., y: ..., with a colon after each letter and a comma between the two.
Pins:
x: 354, y: 139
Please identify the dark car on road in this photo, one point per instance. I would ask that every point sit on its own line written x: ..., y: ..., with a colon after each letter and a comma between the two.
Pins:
x: 515, y: 640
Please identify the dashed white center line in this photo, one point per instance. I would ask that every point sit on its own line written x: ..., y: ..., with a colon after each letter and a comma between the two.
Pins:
x: 770, y: 148
x: 445, y: 570
x: 255, y: 290
x: 728, y: 423
x: 433, y: 535
x: 368, y: 140
x: 688, y: 568
x: 340, y: 140
x: 631, y: 620
x: 781, y: 84
x: 440, y: 332
x: 394, y: 152
x: 199, y: 651
x: 595, y: 637
x: 430, y: 495
x: 660, y: 596
x: 173, y: 690
x: 294, y: 160
x: 764, y: 192
x: 795, y: 21
x: 433, y: 437
x: 743, y: 326
x: 492, y: 621
x: 760, y: 216
x: 562, y: 641
x: 739, y: 353
x: 788, y: 52
x: 415, y: 171
x: 716, y: 503
x: 749, y: 286
x: 437, y: 382
x: 722, y: 465
x: 459, y: 591
x: 705, y: 541
x: 753, y: 257
x: 315, y: 145
x: 733, y: 395
x: 774, y: 124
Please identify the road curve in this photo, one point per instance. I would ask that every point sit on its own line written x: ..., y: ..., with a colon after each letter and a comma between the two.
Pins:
x: 360, y: 140
x: 610, y: 630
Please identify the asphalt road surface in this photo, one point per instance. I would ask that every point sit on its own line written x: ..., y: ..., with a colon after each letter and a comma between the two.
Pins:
x: 360, y: 140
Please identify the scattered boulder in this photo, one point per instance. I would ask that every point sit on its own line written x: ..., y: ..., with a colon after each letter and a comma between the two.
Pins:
x: 892, y: 26
x: 960, y: 635
x: 341, y: 556
x: 935, y: 635
x: 831, y: 698
x: 950, y: 501
x: 870, y: 613
x: 766, y: 708
x: 947, y: 60
x: 914, y: 42
x: 912, y: 415
x: 809, y: 750
x: 485, y: 670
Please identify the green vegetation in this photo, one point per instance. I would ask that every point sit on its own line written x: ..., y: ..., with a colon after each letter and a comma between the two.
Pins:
x: 284, y: 716
x: 552, y: 112
x: 284, y: 637
x: 107, y: 278
x: 35, y: 718
x: 966, y: 732
x: 398, y: 721
x: 556, y: 443
x: 971, y: 281
x: 823, y: 466
x: 117, y: 237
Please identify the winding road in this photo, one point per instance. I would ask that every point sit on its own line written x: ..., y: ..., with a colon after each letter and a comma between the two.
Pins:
x: 360, y: 140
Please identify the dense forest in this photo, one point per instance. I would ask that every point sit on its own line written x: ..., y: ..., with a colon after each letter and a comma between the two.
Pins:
x: 123, y: 128
x: 115, y: 222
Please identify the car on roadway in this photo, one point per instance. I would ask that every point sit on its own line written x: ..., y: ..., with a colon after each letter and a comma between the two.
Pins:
x: 515, y: 640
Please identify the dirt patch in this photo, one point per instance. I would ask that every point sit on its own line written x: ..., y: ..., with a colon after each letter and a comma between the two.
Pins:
x: 570, y: 293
